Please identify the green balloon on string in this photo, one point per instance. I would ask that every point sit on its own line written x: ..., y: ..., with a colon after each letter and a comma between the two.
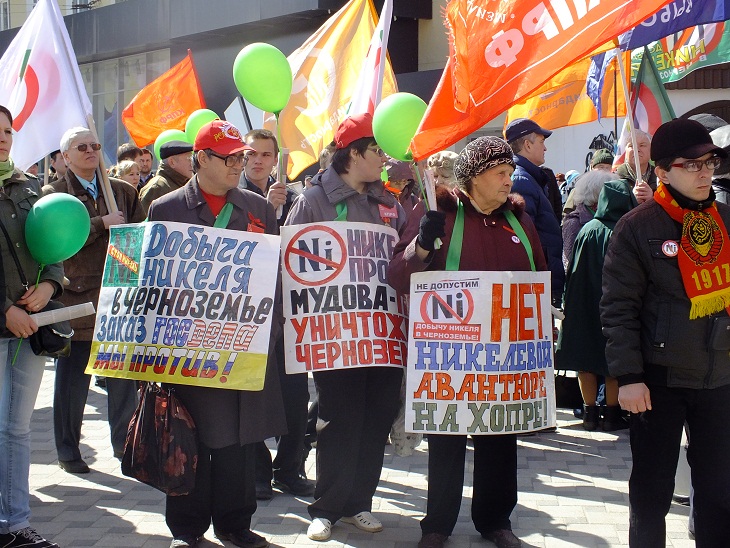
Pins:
x: 395, y: 122
x: 263, y: 76
x: 196, y: 120
x: 57, y: 227
x: 167, y: 136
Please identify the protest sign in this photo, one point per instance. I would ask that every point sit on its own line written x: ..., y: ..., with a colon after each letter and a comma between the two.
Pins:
x: 186, y: 304
x: 480, y: 355
x: 340, y: 311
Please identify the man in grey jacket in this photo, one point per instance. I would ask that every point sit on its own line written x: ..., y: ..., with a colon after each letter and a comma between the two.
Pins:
x: 666, y: 289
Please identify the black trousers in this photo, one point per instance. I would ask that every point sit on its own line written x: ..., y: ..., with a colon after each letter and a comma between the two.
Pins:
x: 289, y: 447
x: 494, y: 487
x: 356, y: 411
x: 69, y: 398
x: 224, y: 493
x: 655, y: 445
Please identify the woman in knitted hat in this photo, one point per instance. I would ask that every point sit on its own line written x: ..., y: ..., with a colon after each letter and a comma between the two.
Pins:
x: 482, y: 207
x: 357, y: 406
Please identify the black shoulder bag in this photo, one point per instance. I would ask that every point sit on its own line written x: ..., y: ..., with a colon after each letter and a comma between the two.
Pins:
x: 53, y: 340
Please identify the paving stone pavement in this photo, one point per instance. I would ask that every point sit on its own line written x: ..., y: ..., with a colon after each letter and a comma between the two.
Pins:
x: 572, y: 492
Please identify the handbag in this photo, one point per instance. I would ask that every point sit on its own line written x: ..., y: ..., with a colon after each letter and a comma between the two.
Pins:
x: 52, y: 340
x: 161, y: 449
x: 567, y: 391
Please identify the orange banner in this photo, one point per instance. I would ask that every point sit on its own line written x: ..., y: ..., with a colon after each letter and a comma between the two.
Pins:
x: 563, y: 101
x: 165, y: 103
x: 501, y: 54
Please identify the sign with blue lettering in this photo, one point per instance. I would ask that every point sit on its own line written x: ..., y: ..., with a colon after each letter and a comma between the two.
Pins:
x: 480, y: 355
x: 186, y: 304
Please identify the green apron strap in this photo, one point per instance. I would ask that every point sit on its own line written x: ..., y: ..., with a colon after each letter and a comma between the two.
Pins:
x: 453, y: 257
x: 221, y: 221
x: 341, y: 208
x: 520, y: 232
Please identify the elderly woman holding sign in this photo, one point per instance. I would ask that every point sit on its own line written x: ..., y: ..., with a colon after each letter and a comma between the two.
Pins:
x: 501, y: 237
x: 356, y: 406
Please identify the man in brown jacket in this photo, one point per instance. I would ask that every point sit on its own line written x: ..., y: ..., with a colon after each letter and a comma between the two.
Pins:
x: 228, y: 422
x: 84, y: 270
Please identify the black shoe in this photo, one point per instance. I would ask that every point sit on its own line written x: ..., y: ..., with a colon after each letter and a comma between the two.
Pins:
x: 590, y: 417
x: 503, y: 538
x: 263, y: 490
x: 613, y: 419
x: 77, y: 466
x: 432, y: 540
x: 681, y: 499
x: 25, y: 538
x: 298, y: 486
x: 118, y: 454
x: 246, y: 538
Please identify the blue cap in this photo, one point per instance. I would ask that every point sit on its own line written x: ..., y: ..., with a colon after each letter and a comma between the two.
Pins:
x: 523, y: 126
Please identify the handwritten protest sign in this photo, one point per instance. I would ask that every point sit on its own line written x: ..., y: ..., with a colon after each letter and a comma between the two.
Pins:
x: 186, y: 304
x: 339, y: 310
x: 480, y: 356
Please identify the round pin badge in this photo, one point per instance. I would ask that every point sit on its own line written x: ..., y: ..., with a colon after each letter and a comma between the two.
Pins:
x: 515, y: 239
x: 670, y: 248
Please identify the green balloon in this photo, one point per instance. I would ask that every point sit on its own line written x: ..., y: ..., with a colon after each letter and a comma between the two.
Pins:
x: 395, y: 122
x: 167, y: 136
x: 197, y: 120
x: 263, y: 77
x: 57, y: 227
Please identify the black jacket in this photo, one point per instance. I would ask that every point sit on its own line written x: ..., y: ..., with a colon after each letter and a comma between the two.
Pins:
x: 645, y: 309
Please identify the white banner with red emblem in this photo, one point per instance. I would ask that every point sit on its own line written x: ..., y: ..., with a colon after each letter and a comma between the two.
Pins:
x: 340, y: 311
x: 480, y: 355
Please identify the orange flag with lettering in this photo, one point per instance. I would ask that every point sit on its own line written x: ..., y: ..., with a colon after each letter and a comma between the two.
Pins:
x: 164, y: 103
x: 501, y: 52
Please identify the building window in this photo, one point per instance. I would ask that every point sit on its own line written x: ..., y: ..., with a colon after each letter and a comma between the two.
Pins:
x: 4, y: 14
x: 111, y: 86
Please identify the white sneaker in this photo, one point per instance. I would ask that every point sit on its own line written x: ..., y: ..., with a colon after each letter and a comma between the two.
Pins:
x: 365, y: 521
x: 319, y: 529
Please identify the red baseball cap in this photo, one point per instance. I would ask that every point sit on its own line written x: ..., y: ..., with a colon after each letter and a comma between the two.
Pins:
x: 353, y: 128
x: 221, y: 137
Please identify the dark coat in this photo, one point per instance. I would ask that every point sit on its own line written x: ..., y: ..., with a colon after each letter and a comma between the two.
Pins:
x: 245, y: 184
x: 531, y: 183
x: 488, y: 243
x: 85, y: 269
x: 17, y: 197
x: 166, y: 180
x: 626, y: 173
x: 581, y: 344
x: 645, y: 308
x: 227, y: 417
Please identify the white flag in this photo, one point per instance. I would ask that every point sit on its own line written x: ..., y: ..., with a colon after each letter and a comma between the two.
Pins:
x: 369, y: 88
x: 42, y: 85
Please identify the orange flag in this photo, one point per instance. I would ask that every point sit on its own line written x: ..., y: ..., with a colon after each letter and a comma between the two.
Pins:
x: 164, y: 103
x: 563, y: 100
x: 502, y: 52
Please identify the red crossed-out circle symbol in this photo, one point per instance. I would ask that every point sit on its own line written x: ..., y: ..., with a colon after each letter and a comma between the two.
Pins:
x: 310, y: 254
x: 456, y: 306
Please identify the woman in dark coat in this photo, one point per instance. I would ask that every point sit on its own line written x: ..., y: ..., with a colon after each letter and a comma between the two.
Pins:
x: 483, y: 170
x: 581, y: 344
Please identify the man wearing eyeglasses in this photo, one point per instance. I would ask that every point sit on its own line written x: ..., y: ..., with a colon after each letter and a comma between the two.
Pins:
x: 228, y: 422
x: 81, y: 153
x: 664, y: 311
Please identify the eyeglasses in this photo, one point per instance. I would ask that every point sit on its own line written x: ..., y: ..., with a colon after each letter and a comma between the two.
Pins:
x: 83, y: 146
x: 696, y: 165
x: 232, y: 160
x: 378, y: 151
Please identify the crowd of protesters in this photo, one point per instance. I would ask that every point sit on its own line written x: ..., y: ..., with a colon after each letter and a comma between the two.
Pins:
x: 627, y: 248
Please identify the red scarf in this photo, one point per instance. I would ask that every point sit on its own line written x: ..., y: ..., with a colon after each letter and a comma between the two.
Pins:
x: 703, y: 255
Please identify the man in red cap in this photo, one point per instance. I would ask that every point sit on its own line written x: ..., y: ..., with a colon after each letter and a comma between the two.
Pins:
x: 228, y: 422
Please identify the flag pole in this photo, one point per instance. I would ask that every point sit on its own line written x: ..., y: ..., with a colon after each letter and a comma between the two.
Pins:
x: 630, y: 117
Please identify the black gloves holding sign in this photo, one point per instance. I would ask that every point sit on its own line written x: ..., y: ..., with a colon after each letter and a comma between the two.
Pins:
x: 430, y: 228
